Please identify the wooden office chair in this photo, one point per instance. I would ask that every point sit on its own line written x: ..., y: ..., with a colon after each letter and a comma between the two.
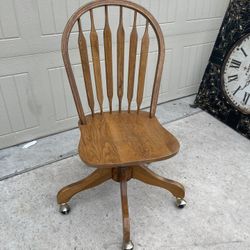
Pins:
x: 119, y: 144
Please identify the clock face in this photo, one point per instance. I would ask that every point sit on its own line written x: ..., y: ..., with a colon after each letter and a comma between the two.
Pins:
x: 236, y: 75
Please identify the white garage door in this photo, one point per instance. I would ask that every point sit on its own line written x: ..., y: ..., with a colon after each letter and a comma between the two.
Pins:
x: 35, y: 99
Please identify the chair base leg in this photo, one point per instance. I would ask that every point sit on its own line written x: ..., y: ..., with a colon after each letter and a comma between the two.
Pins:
x: 96, y: 178
x: 144, y: 174
x: 127, y: 243
x: 122, y: 175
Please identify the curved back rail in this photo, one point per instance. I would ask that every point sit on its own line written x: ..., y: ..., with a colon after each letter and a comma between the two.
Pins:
x: 107, y: 38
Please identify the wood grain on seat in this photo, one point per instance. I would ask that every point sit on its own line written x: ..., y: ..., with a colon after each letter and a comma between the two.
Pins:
x: 122, y: 139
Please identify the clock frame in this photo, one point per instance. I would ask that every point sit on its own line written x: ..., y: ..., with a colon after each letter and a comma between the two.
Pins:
x: 211, y: 96
x: 241, y: 39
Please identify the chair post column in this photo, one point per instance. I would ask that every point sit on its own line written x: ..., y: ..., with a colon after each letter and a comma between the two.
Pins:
x: 127, y: 243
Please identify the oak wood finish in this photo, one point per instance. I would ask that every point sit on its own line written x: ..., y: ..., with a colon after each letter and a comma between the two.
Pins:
x: 122, y: 175
x: 96, y: 61
x: 120, y: 58
x: 85, y: 67
x: 142, y: 67
x: 96, y: 178
x: 132, y: 61
x: 124, y: 202
x: 108, y: 58
x: 144, y: 174
x: 96, y: 57
x: 124, y: 139
x: 119, y: 143
x: 117, y: 174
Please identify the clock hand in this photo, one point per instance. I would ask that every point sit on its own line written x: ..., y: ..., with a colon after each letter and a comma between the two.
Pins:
x: 247, y: 84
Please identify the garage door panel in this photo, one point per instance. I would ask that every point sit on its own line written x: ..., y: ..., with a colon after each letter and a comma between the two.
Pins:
x: 26, y: 98
x: 44, y: 20
x: 70, y: 106
x: 46, y: 17
x: 203, y: 9
x: 9, y: 23
x: 16, y: 102
x: 58, y: 93
x: 5, y: 126
x: 53, y: 15
x: 192, y: 69
x: 195, y: 55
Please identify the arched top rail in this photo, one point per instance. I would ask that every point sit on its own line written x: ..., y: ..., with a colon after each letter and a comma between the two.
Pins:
x: 124, y: 4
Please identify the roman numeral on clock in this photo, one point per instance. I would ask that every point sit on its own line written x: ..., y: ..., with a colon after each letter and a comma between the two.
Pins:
x: 235, y: 64
x: 246, y: 98
x: 232, y: 78
x: 234, y: 93
x: 244, y: 52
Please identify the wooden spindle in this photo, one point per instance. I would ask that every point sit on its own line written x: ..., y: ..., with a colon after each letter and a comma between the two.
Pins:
x: 85, y: 67
x: 107, y: 37
x: 96, y: 61
x: 120, y: 58
x: 132, y: 61
x: 142, y: 67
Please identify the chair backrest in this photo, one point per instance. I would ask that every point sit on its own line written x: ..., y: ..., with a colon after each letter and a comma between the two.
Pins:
x: 107, y: 38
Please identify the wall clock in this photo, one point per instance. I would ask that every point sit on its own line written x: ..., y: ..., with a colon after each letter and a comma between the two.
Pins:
x: 235, y: 75
x: 225, y: 88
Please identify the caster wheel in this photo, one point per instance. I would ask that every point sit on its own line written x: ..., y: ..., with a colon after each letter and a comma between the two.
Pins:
x: 180, y: 203
x: 128, y: 246
x: 64, y: 208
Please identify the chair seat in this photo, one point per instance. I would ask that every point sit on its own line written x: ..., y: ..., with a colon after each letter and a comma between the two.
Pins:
x: 123, y: 139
